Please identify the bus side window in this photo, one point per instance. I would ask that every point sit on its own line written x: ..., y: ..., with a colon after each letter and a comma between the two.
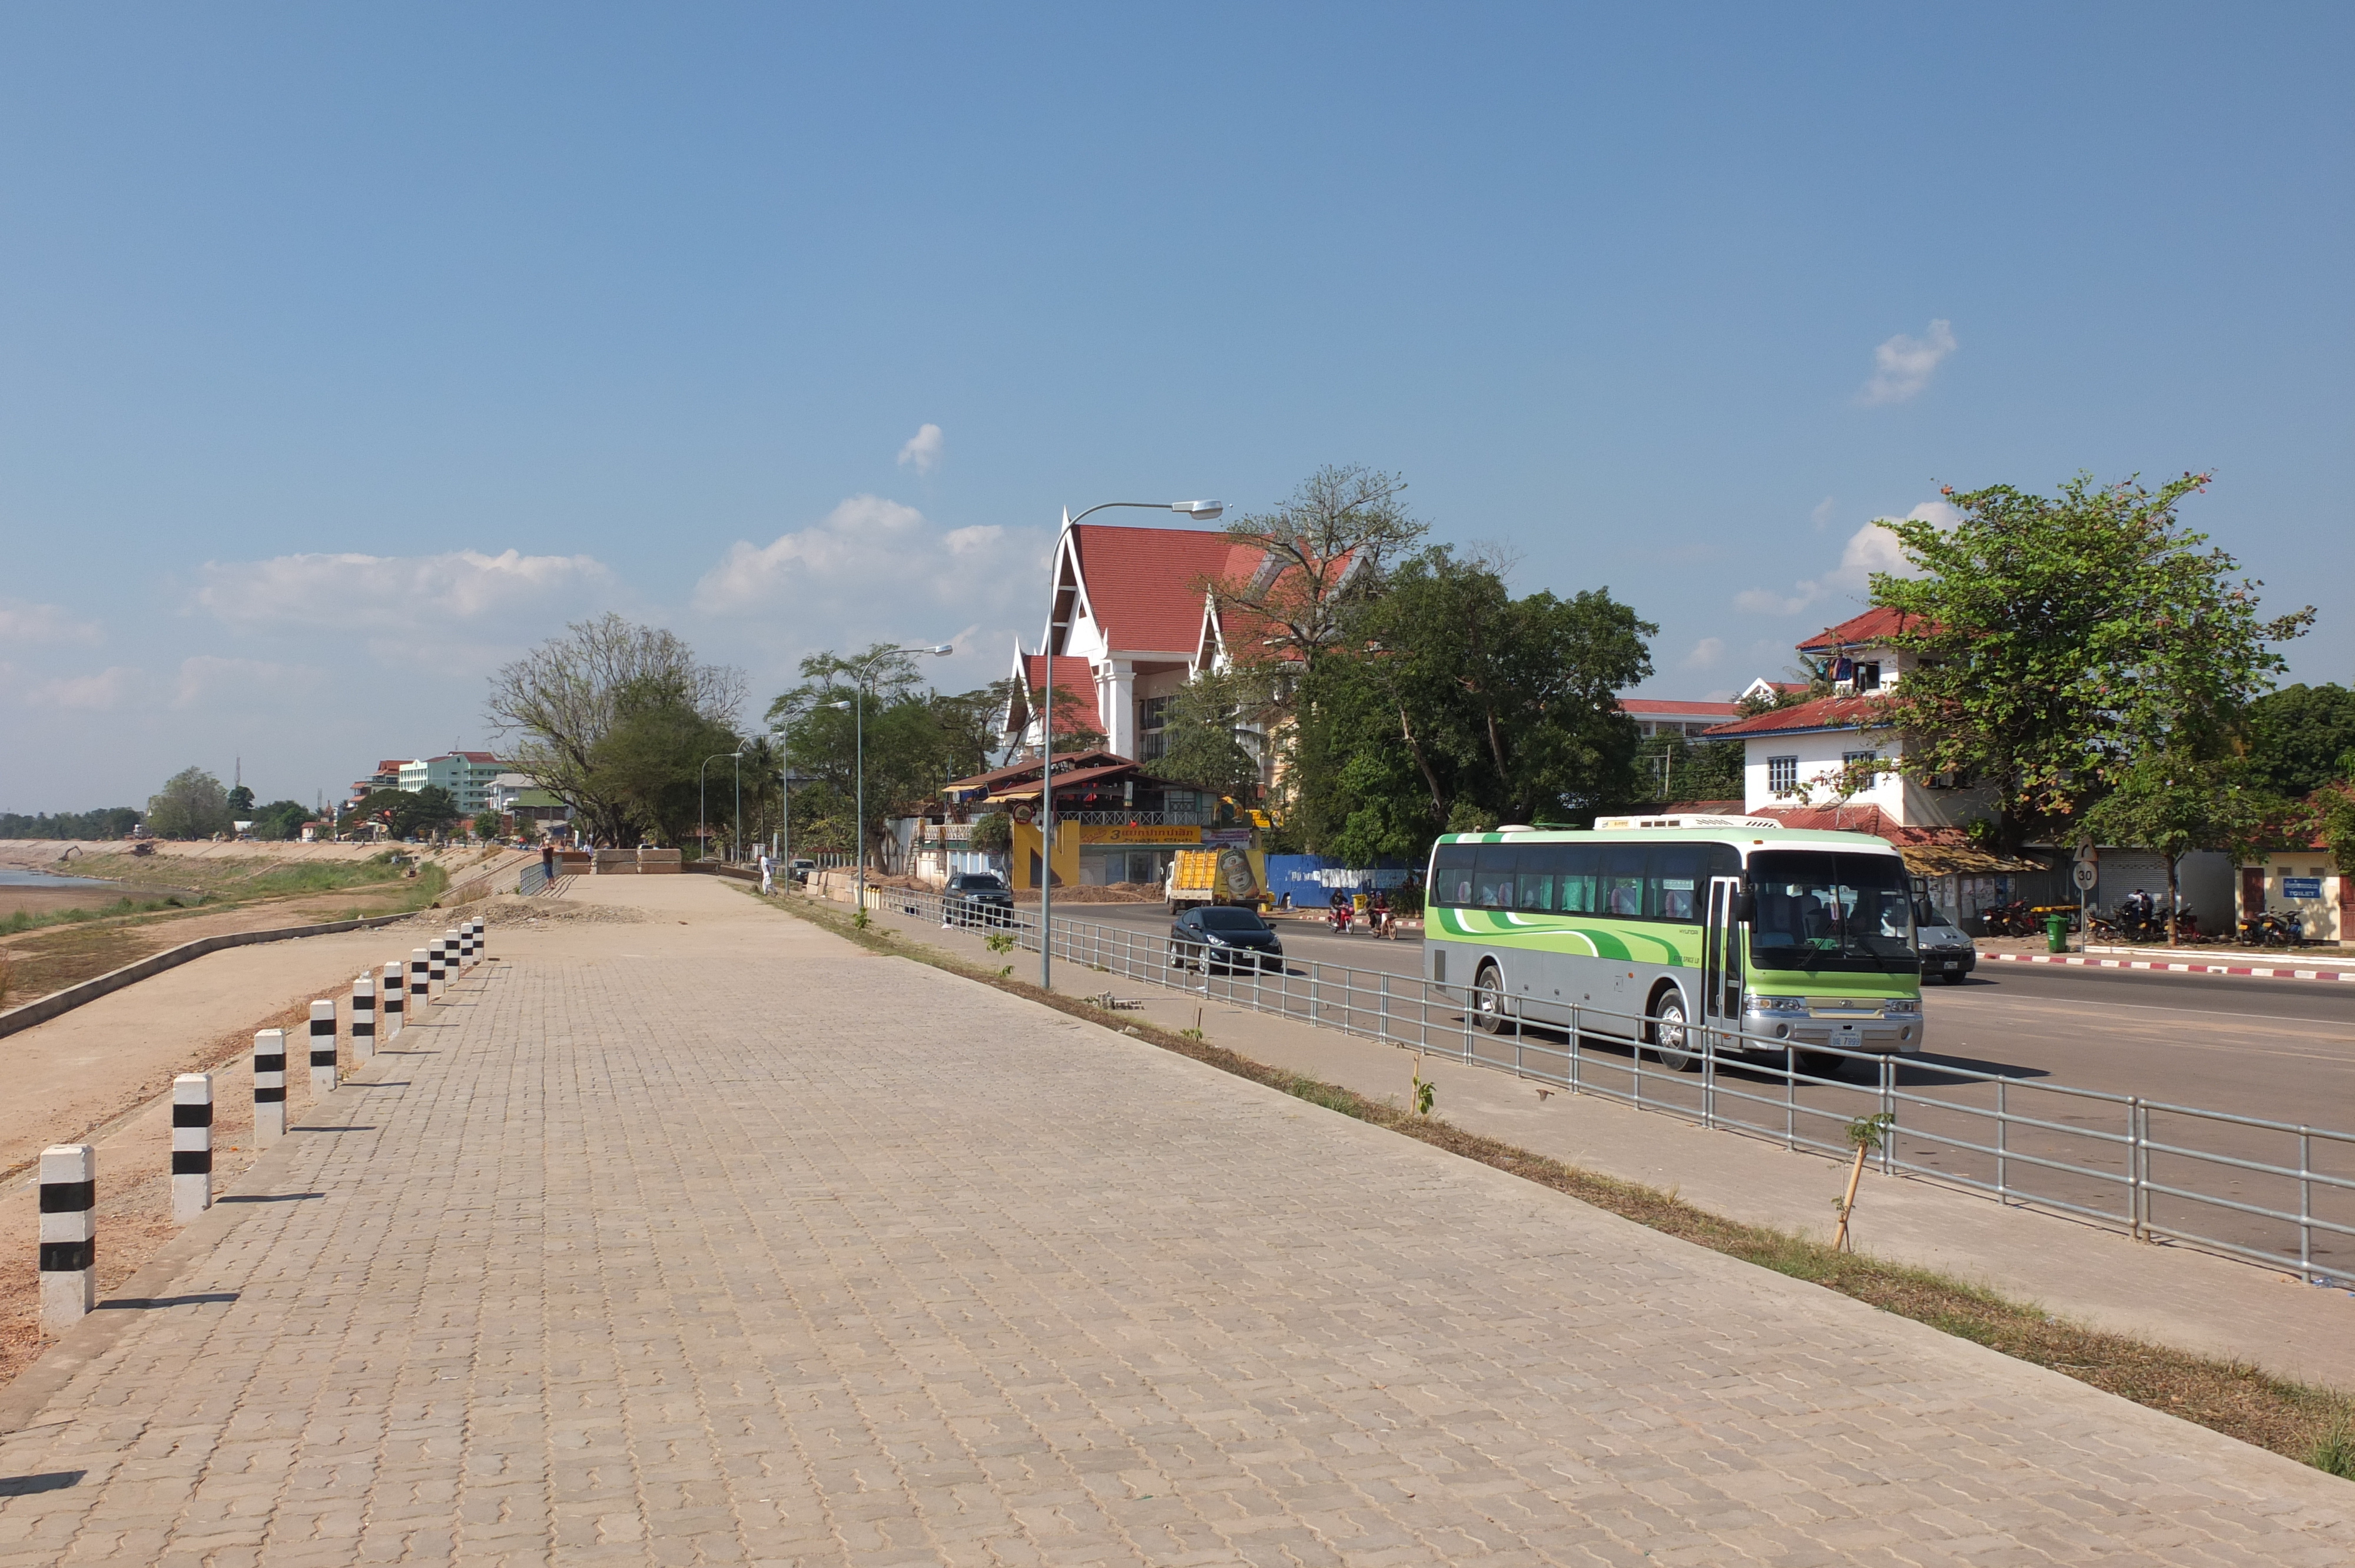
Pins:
x: 1677, y: 882
x: 1534, y: 879
x: 1492, y: 876
x: 1575, y: 878
x: 1623, y: 881
x: 1450, y: 876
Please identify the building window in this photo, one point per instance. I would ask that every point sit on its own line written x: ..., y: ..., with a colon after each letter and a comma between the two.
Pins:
x: 1152, y: 722
x: 1867, y: 677
x: 1859, y: 758
x: 1782, y: 774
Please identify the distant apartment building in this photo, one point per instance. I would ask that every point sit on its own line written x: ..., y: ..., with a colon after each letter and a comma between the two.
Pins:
x: 467, y: 774
x: 385, y: 776
x: 513, y: 794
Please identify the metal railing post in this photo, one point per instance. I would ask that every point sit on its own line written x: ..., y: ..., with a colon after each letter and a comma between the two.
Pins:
x: 1575, y: 1047
x: 1386, y: 1005
x: 2136, y: 1199
x: 2305, y: 1205
x: 1709, y: 1079
x: 2002, y: 1144
x: 1888, y: 1109
x: 1791, y: 1097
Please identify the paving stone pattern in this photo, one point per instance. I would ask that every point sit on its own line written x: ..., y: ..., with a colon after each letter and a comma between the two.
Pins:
x: 820, y: 1258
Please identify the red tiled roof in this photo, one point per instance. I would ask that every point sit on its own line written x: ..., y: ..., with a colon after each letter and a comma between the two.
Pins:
x: 1144, y: 584
x: 1654, y: 705
x: 1078, y: 781
x: 1073, y: 674
x: 1878, y: 624
x: 1824, y: 713
x: 393, y: 765
x: 1858, y: 819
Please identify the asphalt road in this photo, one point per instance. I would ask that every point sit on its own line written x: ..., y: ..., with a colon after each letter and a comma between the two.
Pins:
x: 2279, y: 1051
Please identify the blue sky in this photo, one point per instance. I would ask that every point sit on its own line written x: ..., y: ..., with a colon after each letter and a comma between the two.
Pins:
x: 1669, y: 300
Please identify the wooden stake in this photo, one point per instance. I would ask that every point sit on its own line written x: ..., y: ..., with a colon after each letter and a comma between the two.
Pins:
x: 1855, y: 1175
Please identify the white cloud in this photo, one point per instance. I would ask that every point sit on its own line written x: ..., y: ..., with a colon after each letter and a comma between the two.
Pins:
x: 1870, y: 549
x: 1704, y: 655
x: 209, y: 681
x: 349, y: 592
x: 1822, y: 515
x: 21, y: 621
x: 923, y: 451
x: 868, y: 551
x: 99, y: 693
x: 1904, y: 365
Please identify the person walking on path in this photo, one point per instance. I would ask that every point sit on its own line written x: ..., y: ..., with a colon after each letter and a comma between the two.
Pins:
x: 548, y: 861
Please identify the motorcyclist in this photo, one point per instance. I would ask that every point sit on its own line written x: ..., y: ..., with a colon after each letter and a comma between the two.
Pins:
x: 1339, y: 909
x: 1377, y: 914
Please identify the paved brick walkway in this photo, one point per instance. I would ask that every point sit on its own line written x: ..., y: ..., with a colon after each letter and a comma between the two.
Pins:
x: 728, y: 1244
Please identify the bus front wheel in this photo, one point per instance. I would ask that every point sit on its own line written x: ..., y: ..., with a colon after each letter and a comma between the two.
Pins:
x: 1671, y: 1037
x: 1488, y: 1000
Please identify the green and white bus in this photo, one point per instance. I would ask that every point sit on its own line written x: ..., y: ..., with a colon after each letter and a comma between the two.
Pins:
x: 1651, y: 928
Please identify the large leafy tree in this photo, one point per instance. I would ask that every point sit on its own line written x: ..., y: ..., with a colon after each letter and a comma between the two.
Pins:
x: 1210, y: 736
x: 1325, y: 549
x: 1456, y: 703
x: 2065, y: 637
x: 191, y: 805
x: 650, y: 762
x: 2302, y: 737
x: 2175, y: 802
x: 562, y: 698
x: 404, y: 812
x: 916, y: 740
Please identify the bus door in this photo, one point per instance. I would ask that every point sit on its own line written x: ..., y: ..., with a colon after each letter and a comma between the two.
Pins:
x: 1721, y: 963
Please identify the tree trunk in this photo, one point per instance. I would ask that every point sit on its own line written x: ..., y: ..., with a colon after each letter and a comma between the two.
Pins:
x: 1430, y: 780
x: 2174, y: 937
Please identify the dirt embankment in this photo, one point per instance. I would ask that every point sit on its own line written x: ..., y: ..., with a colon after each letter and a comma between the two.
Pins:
x: 220, y: 888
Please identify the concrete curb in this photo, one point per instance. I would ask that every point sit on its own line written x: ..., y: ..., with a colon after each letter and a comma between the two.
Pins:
x: 73, y: 996
x: 2158, y: 967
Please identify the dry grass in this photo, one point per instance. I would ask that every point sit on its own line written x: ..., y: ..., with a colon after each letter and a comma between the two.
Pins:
x: 2313, y: 1425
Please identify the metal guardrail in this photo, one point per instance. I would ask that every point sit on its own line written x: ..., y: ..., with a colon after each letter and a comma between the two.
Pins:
x: 534, y: 879
x: 2157, y: 1170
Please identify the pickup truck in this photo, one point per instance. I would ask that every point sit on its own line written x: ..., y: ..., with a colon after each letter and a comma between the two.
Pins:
x: 1210, y: 876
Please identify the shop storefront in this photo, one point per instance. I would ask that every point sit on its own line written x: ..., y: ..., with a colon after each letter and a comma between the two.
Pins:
x: 2306, y: 883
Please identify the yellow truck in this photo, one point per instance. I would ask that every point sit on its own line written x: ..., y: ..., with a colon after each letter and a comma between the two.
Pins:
x: 1211, y: 876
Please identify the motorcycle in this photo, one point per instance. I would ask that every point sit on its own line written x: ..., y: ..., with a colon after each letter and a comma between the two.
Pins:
x: 1339, y: 919
x: 2272, y: 930
x: 1378, y: 924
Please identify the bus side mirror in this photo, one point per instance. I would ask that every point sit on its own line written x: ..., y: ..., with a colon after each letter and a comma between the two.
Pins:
x: 1745, y: 905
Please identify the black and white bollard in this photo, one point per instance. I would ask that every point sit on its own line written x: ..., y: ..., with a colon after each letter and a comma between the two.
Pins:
x: 362, y: 1019
x: 69, y: 1240
x: 454, y: 943
x: 437, y: 968
x: 481, y: 939
x: 192, y: 1146
x: 420, y: 979
x: 323, y: 1048
x: 392, y: 991
x: 466, y: 945
x: 269, y: 1087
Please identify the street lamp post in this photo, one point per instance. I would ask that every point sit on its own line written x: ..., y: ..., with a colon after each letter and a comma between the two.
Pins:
x: 1201, y: 511
x: 866, y: 668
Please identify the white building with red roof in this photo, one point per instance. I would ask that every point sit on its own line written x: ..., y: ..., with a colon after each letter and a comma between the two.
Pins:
x: 1136, y: 615
x: 1833, y: 752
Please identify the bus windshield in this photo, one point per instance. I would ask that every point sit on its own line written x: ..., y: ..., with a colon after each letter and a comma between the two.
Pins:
x: 1827, y: 910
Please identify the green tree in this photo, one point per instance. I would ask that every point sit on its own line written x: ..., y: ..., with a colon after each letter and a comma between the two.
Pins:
x: 2064, y: 637
x: 192, y: 805
x: 2302, y: 737
x: 106, y: 823
x: 1455, y: 699
x: 405, y: 814
x: 560, y: 700
x: 994, y: 833
x: 1325, y: 549
x: 2331, y: 811
x: 241, y: 803
x: 280, y: 820
x: 1209, y: 739
x: 1674, y: 767
x: 916, y: 740
x: 2174, y: 803
x: 650, y: 764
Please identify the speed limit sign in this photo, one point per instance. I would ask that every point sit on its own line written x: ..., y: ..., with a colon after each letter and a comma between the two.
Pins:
x: 2085, y: 875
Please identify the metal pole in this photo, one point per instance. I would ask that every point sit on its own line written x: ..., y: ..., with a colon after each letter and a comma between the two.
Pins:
x: 2002, y: 1144
x: 736, y: 844
x: 785, y: 807
x: 859, y: 764
x: 2305, y: 1203
x: 1046, y: 773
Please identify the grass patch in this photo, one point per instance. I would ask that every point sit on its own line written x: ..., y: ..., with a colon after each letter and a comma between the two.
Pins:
x: 22, y: 920
x: 2311, y: 1425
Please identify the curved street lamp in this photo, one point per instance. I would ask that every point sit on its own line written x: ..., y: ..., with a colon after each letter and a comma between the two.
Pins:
x: 1200, y: 512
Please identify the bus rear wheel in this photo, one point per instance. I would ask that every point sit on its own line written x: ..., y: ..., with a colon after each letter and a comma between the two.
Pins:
x: 1488, y: 1000
x: 1671, y: 1037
